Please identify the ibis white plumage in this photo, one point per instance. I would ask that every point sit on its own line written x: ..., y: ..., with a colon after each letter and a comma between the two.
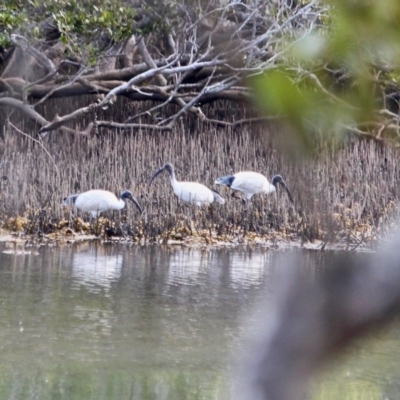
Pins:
x: 97, y: 201
x: 190, y: 192
x: 251, y: 183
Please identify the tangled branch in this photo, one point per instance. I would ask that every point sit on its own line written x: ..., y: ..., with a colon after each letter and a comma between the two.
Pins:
x: 201, y: 56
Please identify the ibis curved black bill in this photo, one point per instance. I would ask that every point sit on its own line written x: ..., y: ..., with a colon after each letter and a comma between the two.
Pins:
x: 167, y: 167
x: 128, y: 195
x: 287, y: 190
x: 278, y: 179
x: 156, y: 174
x: 133, y: 199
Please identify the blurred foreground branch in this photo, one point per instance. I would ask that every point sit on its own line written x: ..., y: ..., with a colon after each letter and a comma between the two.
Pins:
x: 312, y: 320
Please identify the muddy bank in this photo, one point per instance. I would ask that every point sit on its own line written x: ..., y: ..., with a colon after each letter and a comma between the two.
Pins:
x: 363, y: 239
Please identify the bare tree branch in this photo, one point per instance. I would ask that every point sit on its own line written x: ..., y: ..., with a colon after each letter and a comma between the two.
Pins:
x: 205, y: 56
x: 60, y: 121
x: 29, y: 111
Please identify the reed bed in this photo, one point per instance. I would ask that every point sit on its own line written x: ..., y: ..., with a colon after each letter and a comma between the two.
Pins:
x: 346, y: 194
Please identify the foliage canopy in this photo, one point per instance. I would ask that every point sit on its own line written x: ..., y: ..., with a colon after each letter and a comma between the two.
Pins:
x: 321, y: 66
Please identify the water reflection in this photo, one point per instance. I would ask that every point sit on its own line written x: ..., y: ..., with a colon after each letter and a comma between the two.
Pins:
x: 248, y: 268
x: 96, y: 269
x: 186, y: 267
x: 147, y: 322
x: 244, y: 268
x: 129, y: 322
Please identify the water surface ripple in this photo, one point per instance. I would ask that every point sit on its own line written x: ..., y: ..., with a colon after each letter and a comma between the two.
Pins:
x: 91, y: 321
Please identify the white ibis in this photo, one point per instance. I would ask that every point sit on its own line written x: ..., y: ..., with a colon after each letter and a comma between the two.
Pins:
x: 97, y: 201
x: 251, y: 183
x: 190, y: 192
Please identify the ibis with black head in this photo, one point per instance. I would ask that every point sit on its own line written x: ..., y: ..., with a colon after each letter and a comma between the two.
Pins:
x: 97, y: 201
x: 190, y: 192
x: 251, y: 183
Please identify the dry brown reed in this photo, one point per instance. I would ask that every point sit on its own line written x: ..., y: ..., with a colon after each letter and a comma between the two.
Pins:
x: 345, y: 194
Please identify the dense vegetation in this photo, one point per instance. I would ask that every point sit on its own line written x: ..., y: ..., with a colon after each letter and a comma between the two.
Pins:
x: 179, y: 69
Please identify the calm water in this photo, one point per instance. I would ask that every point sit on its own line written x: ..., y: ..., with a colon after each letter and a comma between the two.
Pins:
x: 128, y: 322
